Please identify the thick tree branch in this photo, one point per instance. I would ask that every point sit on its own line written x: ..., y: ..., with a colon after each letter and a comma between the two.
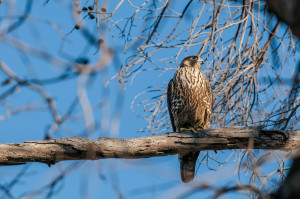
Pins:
x: 77, y: 148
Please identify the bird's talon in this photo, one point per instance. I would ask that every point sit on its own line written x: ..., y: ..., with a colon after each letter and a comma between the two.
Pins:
x: 188, y: 129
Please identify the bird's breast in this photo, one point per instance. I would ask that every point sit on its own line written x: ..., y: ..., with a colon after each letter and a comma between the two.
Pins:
x: 189, y: 78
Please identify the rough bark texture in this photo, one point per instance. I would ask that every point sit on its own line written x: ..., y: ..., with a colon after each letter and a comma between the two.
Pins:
x: 77, y: 148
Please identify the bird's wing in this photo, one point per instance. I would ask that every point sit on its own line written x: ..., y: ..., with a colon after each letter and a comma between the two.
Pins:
x: 170, y: 92
x: 210, y: 96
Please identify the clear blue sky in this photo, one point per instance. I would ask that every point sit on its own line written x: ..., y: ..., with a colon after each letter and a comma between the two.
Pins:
x: 142, y: 178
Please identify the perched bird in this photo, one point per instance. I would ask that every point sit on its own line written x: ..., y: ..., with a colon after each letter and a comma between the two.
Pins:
x: 189, y: 98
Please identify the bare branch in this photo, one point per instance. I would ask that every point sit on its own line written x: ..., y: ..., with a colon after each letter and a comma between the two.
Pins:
x: 290, y: 189
x: 77, y: 148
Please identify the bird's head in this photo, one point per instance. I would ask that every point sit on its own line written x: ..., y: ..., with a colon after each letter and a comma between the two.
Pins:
x: 192, y: 61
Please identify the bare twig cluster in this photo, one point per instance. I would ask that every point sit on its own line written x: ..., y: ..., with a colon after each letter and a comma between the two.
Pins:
x: 247, y: 54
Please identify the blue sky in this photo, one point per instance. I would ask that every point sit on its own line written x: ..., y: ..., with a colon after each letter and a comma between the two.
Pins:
x: 111, y: 178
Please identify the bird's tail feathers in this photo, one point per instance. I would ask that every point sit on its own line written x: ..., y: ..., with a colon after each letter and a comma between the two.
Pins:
x: 187, y: 166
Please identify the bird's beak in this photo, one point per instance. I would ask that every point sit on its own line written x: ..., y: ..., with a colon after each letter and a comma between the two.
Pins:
x: 200, y: 60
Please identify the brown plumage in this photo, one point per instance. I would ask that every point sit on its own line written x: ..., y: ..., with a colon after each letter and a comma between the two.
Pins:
x: 189, y: 98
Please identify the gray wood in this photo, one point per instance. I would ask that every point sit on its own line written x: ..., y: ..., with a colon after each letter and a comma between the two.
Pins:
x: 78, y: 148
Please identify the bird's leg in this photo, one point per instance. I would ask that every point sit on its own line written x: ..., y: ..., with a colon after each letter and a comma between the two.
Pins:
x: 200, y: 123
x: 189, y: 129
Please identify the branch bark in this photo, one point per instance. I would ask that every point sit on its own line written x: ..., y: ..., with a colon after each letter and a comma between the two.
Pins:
x: 78, y: 148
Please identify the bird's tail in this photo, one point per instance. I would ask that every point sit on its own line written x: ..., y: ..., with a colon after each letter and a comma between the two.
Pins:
x: 187, y: 166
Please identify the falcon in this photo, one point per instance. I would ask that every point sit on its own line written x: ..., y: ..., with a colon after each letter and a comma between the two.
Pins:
x: 189, y: 98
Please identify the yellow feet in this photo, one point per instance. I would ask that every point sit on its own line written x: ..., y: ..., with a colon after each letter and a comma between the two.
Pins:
x: 188, y: 129
x: 200, y: 123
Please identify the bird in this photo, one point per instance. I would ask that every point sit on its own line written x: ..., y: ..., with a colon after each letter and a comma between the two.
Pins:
x: 189, y: 99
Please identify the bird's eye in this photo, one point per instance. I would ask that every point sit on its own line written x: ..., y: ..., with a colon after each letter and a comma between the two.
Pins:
x: 195, y: 57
